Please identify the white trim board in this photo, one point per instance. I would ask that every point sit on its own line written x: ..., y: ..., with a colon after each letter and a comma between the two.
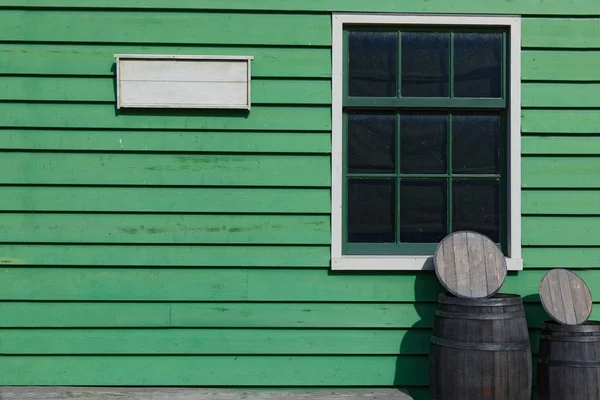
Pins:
x: 344, y: 262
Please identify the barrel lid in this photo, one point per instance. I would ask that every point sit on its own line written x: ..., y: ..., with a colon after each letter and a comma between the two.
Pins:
x: 565, y: 297
x: 469, y: 265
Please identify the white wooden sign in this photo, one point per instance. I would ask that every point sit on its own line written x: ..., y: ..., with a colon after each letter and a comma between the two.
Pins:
x: 172, y: 81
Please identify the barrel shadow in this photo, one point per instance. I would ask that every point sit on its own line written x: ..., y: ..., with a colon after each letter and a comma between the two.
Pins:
x: 416, y: 341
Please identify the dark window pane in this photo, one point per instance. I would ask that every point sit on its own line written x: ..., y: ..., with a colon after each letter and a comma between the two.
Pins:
x: 423, y: 140
x: 476, y: 144
x: 371, y: 210
x: 476, y: 207
x: 371, y: 143
x: 425, y: 64
x: 423, y: 217
x: 478, y: 65
x: 373, y: 64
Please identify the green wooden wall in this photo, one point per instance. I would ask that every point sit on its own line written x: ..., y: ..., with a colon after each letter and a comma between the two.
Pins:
x: 192, y: 248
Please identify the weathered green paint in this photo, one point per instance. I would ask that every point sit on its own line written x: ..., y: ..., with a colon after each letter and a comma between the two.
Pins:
x: 168, y: 256
x: 210, y: 230
x: 165, y: 169
x: 165, y: 228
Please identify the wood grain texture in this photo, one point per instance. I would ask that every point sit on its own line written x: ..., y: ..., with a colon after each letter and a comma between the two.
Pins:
x: 565, y: 297
x: 166, y: 141
x: 165, y: 228
x: 188, y: 256
x: 82, y: 115
x: 159, y: 200
x: 90, y: 393
x: 535, y: 7
x: 468, y: 266
x: 560, y: 121
x: 560, y: 65
x: 213, y: 341
x: 84, y: 168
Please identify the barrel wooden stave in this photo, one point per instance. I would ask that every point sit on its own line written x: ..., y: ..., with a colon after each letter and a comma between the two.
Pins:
x: 569, y: 362
x: 478, y: 371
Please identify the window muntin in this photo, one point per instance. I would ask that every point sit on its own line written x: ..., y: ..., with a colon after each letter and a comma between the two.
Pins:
x: 430, y: 157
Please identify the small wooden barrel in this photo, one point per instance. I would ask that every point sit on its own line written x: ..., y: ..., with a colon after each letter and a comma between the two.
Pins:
x: 480, y: 349
x: 569, y: 362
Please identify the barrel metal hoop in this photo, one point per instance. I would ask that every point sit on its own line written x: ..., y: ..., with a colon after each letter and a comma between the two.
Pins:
x: 483, y: 316
x: 586, y: 339
x: 574, y: 364
x: 589, y: 327
x: 509, y: 300
x: 508, y: 346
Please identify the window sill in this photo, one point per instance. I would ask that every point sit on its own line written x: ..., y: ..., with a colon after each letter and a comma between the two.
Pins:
x: 398, y: 263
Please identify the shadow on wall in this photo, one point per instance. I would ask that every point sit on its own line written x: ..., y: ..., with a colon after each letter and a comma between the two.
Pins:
x: 415, y: 343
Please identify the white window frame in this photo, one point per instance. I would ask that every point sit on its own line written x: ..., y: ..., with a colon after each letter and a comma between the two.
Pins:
x: 340, y: 261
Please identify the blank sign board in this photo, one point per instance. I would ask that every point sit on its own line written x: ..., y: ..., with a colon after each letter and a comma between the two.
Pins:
x: 162, y: 81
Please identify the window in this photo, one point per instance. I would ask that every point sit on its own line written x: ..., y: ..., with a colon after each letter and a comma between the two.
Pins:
x: 426, y: 136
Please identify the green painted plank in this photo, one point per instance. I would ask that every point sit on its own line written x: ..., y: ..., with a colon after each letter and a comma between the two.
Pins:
x: 91, y: 89
x: 172, y: 284
x: 164, y: 228
x: 166, y: 27
x: 230, y: 315
x: 213, y: 370
x: 98, y: 59
x: 220, y: 341
x: 561, y: 121
x: 214, y: 315
x: 561, y: 202
x: 551, y: 257
x: 280, y: 256
x: 165, y: 169
x: 566, y: 65
x: 571, y: 95
x: 214, y: 341
x: 166, y: 141
x: 544, y: 32
x: 561, y: 172
x: 550, y: 231
x: 153, y: 200
x: 81, y: 115
x: 271, y: 285
x: 563, y: 145
x: 537, y: 7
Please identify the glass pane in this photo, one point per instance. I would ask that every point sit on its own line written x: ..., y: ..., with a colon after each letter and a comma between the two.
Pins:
x: 476, y: 144
x: 373, y: 64
x: 423, y: 140
x: 371, y: 210
x: 478, y: 65
x: 423, y: 217
x: 371, y: 143
x: 476, y: 207
x: 425, y: 64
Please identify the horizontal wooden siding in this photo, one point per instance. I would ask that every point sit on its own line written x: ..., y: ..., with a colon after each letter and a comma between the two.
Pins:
x: 192, y: 248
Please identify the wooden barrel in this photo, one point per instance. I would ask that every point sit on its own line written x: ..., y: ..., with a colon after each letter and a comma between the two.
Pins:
x: 569, y: 362
x: 480, y: 349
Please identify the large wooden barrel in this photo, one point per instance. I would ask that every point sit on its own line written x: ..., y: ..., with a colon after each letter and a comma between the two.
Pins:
x: 569, y: 362
x: 480, y: 349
